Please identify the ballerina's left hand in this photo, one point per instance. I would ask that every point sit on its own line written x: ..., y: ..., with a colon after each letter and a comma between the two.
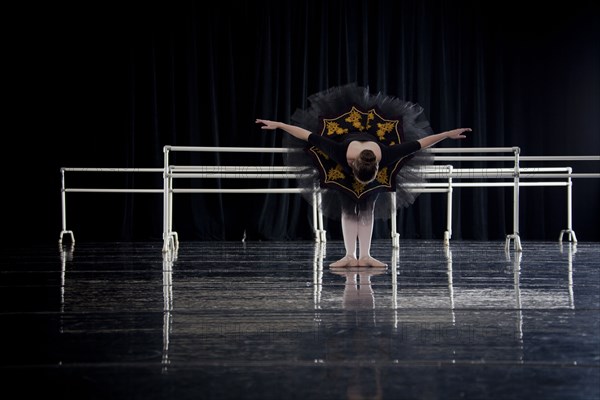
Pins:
x: 458, y: 133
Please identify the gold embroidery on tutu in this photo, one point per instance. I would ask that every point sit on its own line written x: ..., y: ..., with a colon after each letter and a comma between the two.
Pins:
x: 355, y: 118
x: 333, y: 128
x: 385, y: 128
x: 382, y: 176
x: 322, y: 153
x: 335, y: 173
x: 358, y: 187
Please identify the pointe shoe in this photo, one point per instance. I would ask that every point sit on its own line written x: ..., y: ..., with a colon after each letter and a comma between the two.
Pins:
x: 346, y: 261
x: 371, y: 262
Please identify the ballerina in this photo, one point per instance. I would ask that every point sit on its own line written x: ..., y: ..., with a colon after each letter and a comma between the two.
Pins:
x: 364, y: 157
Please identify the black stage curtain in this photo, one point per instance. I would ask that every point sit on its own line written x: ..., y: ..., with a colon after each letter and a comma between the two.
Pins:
x: 109, y: 86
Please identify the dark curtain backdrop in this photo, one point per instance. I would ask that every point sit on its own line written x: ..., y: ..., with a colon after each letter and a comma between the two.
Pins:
x: 104, y: 85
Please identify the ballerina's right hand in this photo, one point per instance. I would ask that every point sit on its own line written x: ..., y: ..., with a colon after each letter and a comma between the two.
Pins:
x: 271, y: 125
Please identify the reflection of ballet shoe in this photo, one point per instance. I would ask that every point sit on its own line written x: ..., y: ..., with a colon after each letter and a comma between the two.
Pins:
x: 371, y: 262
x: 368, y: 272
x: 360, y: 271
x: 344, y: 262
x: 342, y: 271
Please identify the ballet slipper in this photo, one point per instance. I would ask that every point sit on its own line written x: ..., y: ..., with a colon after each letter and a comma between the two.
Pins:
x: 346, y: 261
x: 369, y: 261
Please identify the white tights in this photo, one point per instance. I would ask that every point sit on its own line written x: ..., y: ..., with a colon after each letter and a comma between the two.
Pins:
x: 358, y: 227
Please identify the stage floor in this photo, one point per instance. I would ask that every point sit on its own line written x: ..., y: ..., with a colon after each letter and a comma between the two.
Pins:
x: 271, y: 320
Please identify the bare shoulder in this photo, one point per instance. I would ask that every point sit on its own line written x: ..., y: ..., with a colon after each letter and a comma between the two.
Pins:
x: 355, y: 147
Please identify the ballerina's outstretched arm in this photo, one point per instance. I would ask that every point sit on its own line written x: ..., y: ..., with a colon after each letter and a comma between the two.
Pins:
x: 295, y: 131
x: 430, y: 140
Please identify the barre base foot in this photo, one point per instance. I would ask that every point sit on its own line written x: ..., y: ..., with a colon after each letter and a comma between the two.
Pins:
x: 395, y: 240
x: 62, y: 233
x: 517, y: 242
x: 570, y: 235
x: 447, y: 236
x: 171, y: 242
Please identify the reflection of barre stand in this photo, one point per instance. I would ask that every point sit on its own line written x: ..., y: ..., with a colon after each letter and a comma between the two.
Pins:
x: 394, y: 263
x: 66, y: 254
x: 319, y: 254
x: 516, y: 267
x: 517, y: 286
x: 168, y: 259
x: 448, y: 254
x: 572, y: 251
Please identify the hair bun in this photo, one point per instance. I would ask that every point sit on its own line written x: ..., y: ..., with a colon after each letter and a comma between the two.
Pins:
x: 367, y: 156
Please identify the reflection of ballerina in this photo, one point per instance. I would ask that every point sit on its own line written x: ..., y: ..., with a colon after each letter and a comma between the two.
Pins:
x: 358, y: 292
x: 359, y: 306
x: 356, y: 391
x: 361, y: 145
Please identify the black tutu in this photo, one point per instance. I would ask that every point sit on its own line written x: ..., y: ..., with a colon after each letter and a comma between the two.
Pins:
x: 348, y: 109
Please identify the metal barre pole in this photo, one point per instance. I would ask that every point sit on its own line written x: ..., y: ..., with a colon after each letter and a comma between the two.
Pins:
x: 483, y: 184
x: 505, y: 175
x: 508, y: 158
x: 112, y: 169
x: 473, y: 158
x: 428, y: 186
x: 257, y: 190
x: 86, y: 190
x: 234, y: 149
x: 430, y: 150
x: 448, y: 234
x: 293, y: 150
x: 165, y: 199
x: 516, y: 201
x: 231, y: 168
x: 527, y: 169
x: 240, y: 176
x: 63, y: 201
x: 560, y: 158
x: 470, y: 149
x: 427, y: 190
x: 576, y: 175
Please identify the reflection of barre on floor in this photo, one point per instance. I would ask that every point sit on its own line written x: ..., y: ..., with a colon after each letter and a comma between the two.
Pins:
x: 442, y: 178
x: 459, y: 295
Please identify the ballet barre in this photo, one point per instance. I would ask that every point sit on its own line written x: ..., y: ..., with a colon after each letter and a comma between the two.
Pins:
x: 171, y: 172
x: 64, y: 190
x: 439, y: 178
x: 482, y: 177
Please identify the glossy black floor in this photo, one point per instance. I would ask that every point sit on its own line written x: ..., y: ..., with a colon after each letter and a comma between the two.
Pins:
x: 270, y: 320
